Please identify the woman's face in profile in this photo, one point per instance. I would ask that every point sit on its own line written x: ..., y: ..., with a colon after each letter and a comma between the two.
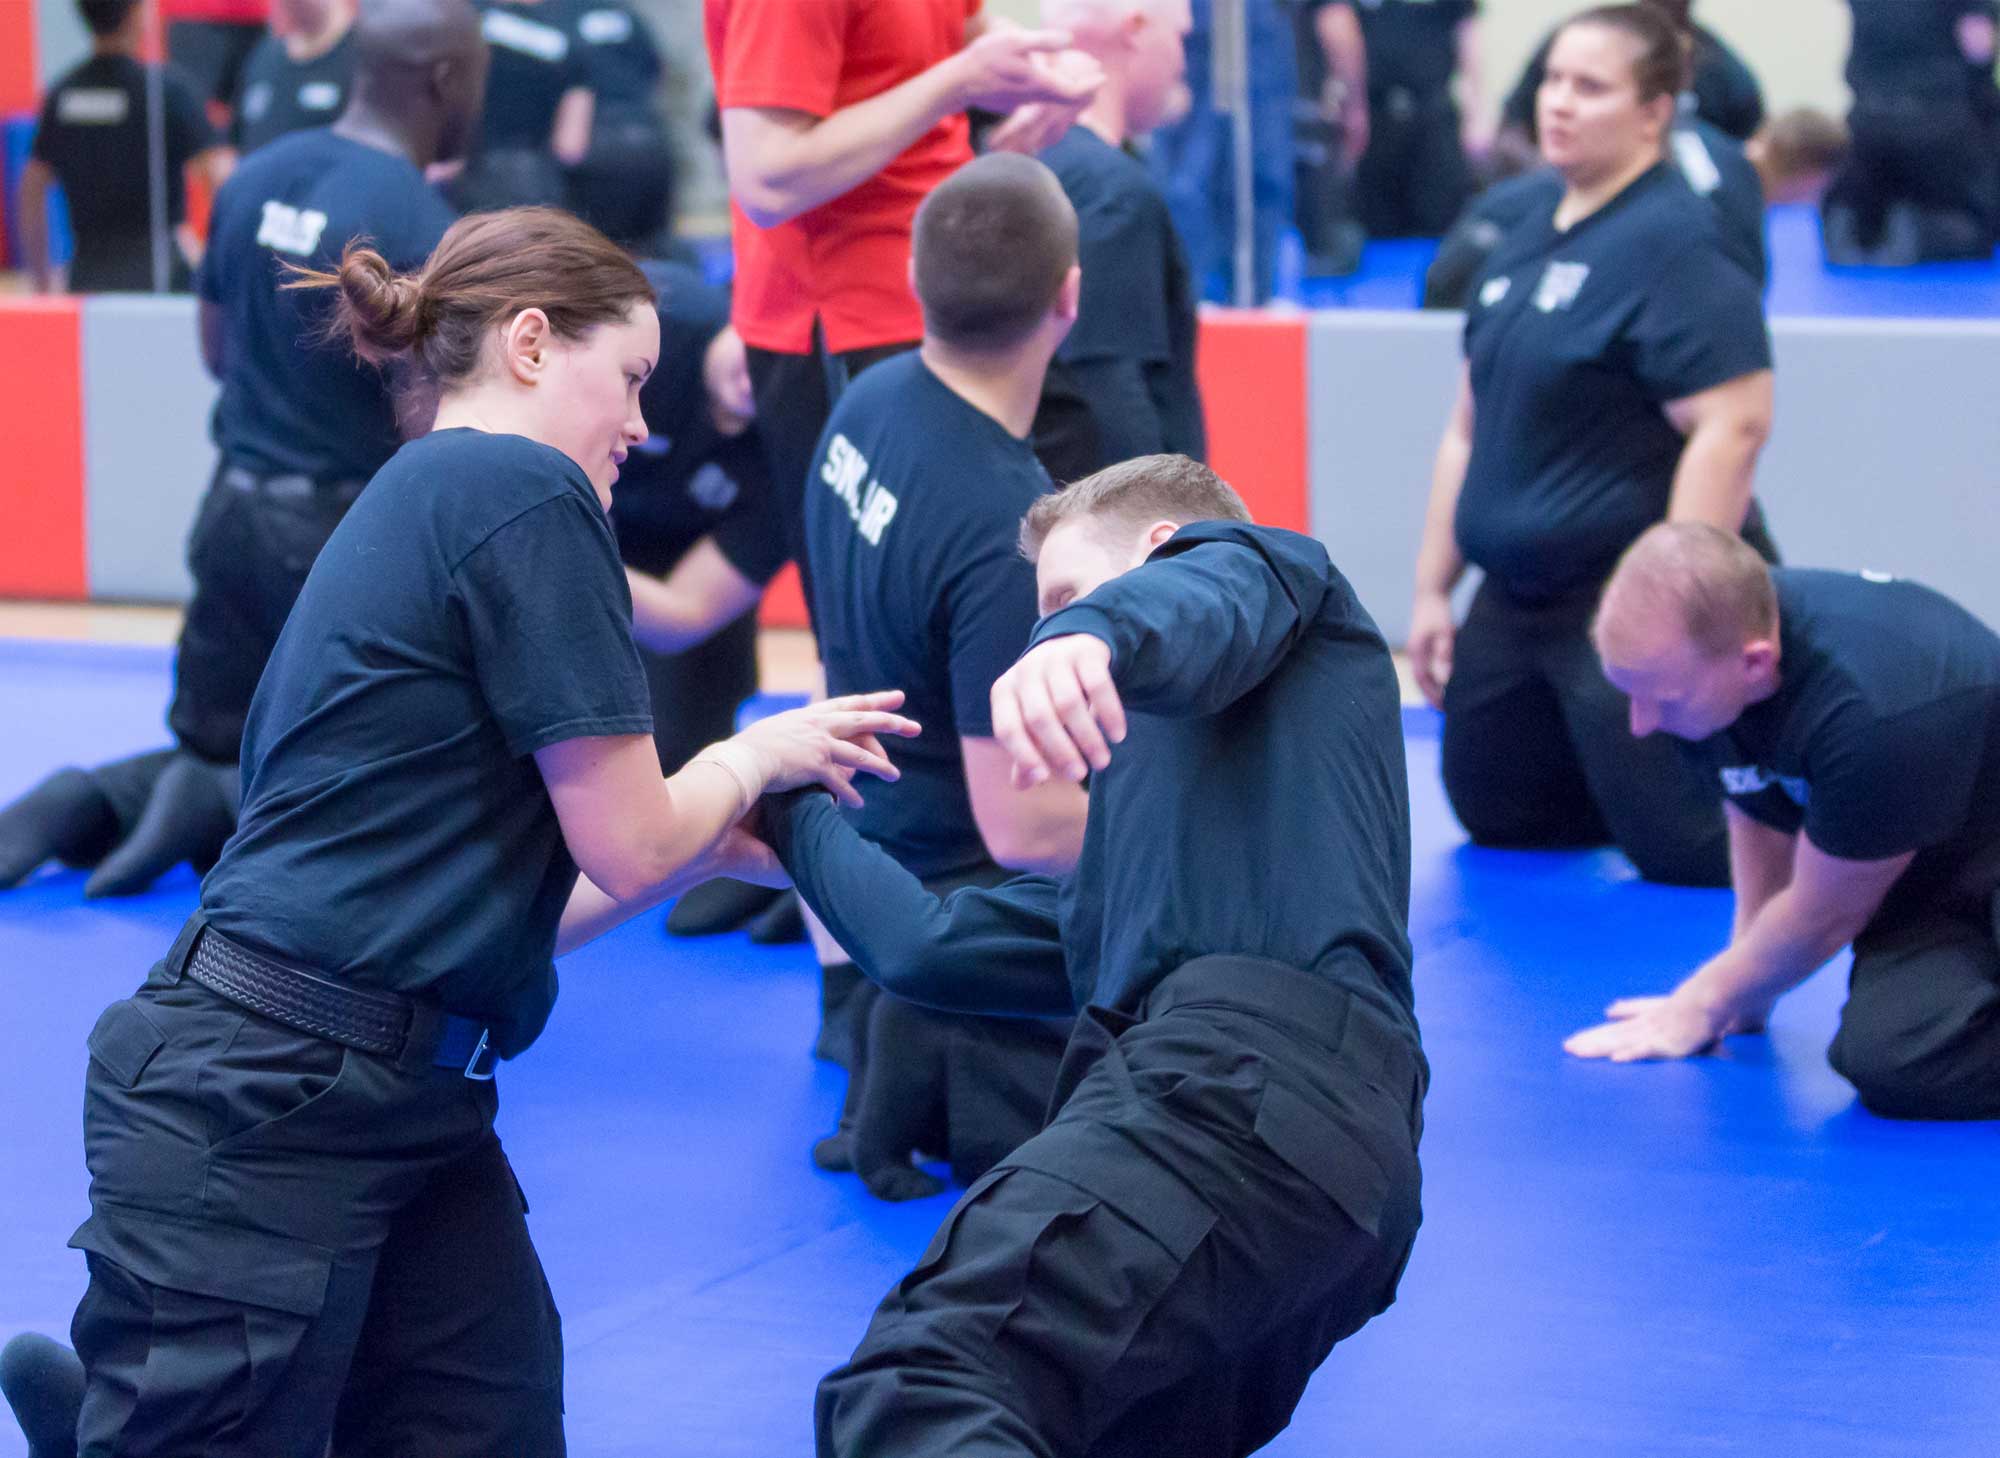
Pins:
x: 590, y: 411
x: 1588, y: 113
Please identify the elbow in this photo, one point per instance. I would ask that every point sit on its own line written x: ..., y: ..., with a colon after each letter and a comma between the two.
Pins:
x: 763, y: 203
x: 619, y: 880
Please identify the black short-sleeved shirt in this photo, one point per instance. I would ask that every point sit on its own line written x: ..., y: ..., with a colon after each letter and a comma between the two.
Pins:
x: 289, y: 401
x: 1131, y: 354
x: 93, y: 134
x: 1911, y: 45
x: 469, y: 610
x: 913, y: 515
x: 1575, y: 342
x: 537, y: 55
x: 1412, y: 44
x: 1726, y: 93
x: 623, y: 62
x: 278, y: 95
x: 687, y: 479
x: 1884, y: 734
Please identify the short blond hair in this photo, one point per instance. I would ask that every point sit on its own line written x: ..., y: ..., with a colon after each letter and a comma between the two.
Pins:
x: 1133, y: 493
x: 1711, y: 581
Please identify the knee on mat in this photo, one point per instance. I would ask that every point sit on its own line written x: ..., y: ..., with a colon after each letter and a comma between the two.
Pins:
x: 1895, y: 1088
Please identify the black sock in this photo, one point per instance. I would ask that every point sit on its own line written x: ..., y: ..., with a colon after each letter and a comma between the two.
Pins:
x: 67, y: 817
x: 43, y: 1383
x: 191, y: 813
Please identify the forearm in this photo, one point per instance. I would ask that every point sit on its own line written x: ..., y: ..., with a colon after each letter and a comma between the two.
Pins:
x: 978, y: 951
x: 1782, y: 945
x: 35, y: 228
x: 569, y: 139
x: 1439, y: 562
x: 1717, y: 474
x: 1471, y: 78
x: 688, y: 606
x: 778, y: 172
x: 592, y: 912
x: 1340, y: 41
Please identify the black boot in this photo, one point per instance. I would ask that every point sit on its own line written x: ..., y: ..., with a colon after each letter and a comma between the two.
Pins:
x: 43, y: 1383
x: 721, y: 905
x: 67, y: 817
x: 191, y: 813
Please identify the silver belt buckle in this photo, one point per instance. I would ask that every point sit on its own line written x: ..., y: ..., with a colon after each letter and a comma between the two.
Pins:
x: 480, y: 1065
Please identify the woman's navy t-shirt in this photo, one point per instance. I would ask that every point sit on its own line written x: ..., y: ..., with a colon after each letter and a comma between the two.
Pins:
x: 1575, y: 341
x: 395, y: 832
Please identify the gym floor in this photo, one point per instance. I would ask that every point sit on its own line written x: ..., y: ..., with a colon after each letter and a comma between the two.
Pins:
x: 1717, y: 1257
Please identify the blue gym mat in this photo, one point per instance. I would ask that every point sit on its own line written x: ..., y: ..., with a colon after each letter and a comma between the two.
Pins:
x: 1717, y: 1257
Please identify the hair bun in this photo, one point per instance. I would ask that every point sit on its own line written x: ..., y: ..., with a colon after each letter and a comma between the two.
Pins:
x: 381, y: 310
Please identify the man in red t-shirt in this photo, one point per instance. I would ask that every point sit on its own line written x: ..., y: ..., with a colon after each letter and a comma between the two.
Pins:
x: 838, y: 118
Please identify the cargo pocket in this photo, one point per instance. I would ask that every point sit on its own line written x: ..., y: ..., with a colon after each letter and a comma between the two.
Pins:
x: 1337, y: 1162
x: 124, y: 1042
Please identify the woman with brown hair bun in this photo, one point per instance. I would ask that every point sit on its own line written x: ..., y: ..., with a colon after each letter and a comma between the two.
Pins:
x: 303, y: 1229
x: 1618, y: 372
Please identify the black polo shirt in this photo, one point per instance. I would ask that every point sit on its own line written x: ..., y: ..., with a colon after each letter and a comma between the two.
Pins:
x: 278, y: 95
x: 1131, y: 354
x: 619, y: 53
x: 1258, y: 806
x: 1575, y: 341
x: 537, y: 55
x: 469, y: 610
x: 1412, y: 44
x: 912, y: 521
x: 1884, y: 734
x: 688, y: 480
x: 93, y: 134
x: 291, y: 401
x: 1726, y: 93
x: 1911, y: 45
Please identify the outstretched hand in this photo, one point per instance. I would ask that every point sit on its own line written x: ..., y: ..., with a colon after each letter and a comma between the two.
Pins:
x: 1640, y: 1028
x: 1056, y: 711
x: 827, y: 743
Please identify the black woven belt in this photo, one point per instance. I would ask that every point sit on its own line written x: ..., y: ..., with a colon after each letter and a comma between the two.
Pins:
x: 386, y: 1023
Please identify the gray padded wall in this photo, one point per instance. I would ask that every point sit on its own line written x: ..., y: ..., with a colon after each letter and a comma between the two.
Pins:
x: 146, y: 452
x: 1885, y: 454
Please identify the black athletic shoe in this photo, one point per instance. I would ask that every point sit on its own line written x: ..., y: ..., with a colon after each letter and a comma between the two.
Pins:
x: 43, y: 1383
x: 721, y: 905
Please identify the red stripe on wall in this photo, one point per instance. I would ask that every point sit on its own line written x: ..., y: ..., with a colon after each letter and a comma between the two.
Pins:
x: 42, y: 550
x: 1252, y: 371
x: 19, y: 86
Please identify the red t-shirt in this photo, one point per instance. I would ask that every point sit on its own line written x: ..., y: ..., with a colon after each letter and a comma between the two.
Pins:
x: 847, y: 260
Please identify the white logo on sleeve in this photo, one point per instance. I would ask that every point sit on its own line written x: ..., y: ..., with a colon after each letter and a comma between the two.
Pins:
x: 287, y: 229
x: 1493, y: 291
x: 528, y: 37
x: 93, y: 106
x: 319, y: 96
x: 843, y: 471
x: 605, y: 27
x: 1561, y: 283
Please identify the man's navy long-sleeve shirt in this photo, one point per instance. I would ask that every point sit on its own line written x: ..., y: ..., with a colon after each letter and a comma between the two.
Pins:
x: 1258, y: 806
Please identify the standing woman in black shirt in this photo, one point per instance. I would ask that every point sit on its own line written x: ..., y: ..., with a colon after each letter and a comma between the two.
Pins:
x: 1618, y: 372
x: 303, y: 1228
x: 539, y: 106
x: 97, y: 136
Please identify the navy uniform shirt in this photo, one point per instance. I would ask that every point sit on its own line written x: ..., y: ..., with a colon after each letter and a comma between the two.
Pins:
x: 1258, y: 807
x: 619, y: 54
x: 537, y: 55
x: 469, y: 610
x: 687, y: 479
x: 291, y: 401
x: 1726, y: 93
x: 278, y: 95
x: 1412, y: 45
x: 1575, y: 341
x: 92, y: 133
x: 1131, y: 354
x: 912, y: 518
x: 1912, y: 45
x: 1883, y: 737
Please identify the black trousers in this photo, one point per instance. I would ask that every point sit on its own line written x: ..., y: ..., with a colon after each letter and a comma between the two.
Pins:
x: 1920, y: 1035
x: 794, y: 395
x: 1538, y: 751
x: 1226, y: 1189
x: 292, y: 1242
x: 1930, y: 152
x: 696, y: 693
x: 1414, y: 178
x: 253, y: 542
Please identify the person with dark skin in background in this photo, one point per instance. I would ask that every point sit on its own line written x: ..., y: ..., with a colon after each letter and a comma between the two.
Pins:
x: 1618, y: 371
x: 94, y: 138
x: 1227, y: 1184
x: 299, y: 76
x: 1853, y: 721
x: 449, y: 780
x: 299, y: 431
